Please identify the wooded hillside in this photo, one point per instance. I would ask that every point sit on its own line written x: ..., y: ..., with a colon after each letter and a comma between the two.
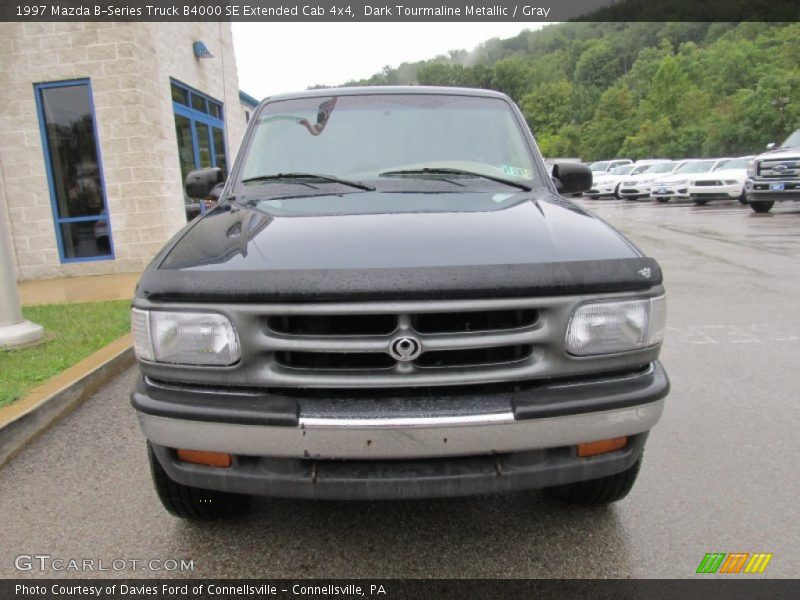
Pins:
x: 603, y: 90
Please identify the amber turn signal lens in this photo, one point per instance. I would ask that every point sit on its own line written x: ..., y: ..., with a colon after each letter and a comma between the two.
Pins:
x: 201, y: 457
x: 601, y: 446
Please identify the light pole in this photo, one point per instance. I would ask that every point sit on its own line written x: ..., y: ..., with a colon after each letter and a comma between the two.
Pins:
x: 780, y: 104
x: 14, y: 330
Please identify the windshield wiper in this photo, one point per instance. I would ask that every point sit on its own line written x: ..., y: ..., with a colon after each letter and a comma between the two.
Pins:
x: 316, y: 176
x: 448, y: 171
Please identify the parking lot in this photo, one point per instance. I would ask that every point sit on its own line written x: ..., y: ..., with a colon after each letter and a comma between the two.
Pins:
x: 719, y: 474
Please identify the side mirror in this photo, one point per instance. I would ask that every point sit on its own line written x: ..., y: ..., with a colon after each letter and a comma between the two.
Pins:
x: 572, y: 178
x: 198, y: 184
x: 770, y: 146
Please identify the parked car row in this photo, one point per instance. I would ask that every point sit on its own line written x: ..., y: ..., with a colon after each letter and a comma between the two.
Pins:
x: 756, y: 180
x: 700, y: 180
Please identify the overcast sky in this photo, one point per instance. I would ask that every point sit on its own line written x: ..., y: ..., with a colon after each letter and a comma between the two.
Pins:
x: 286, y: 57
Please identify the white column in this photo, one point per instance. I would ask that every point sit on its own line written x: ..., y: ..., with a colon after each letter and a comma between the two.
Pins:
x: 14, y: 330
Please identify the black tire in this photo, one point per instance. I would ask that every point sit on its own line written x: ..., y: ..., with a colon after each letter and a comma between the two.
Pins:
x: 743, y: 198
x: 593, y: 197
x: 700, y: 202
x: 189, y: 502
x: 762, y: 206
x: 616, y: 192
x: 596, y: 492
x: 663, y: 200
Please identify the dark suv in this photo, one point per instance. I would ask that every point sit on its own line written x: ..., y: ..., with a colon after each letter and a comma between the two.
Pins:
x: 393, y: 300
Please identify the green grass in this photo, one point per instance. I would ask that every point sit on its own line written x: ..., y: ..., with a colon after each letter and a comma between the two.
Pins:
x: 73, y: 332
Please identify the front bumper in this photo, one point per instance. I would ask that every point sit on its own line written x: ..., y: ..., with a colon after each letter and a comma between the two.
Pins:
x: 715, y: 192
x: 669, y: 191
x: 401, y: 447
x: 634, y: 191
x: 773, y: 190
x: 602, y: 189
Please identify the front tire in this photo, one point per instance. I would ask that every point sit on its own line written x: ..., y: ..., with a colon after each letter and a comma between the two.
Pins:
x: 597, y: 492
x: 762, y: 206
x: 193, y: 503
x: 662, y: 200
x: 699, y: 202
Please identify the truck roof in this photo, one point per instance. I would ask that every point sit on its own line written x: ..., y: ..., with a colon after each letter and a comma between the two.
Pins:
x: 388, y: 89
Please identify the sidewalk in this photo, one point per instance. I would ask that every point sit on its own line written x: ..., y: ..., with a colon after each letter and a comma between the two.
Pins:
x: 94, y: 288
x: 28, y: 416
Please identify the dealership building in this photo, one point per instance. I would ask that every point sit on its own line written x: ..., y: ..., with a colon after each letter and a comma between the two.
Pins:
x: 100, y: 124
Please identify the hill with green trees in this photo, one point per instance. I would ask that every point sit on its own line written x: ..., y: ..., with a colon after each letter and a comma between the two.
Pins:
x: 605, y: 90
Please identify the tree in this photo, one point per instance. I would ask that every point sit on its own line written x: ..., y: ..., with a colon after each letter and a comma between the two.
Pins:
x: 598, y: 66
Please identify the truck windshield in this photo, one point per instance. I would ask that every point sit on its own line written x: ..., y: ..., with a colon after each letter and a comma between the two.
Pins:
x: 380, y: 137
x: 792, y: 141
x: 700, y: 166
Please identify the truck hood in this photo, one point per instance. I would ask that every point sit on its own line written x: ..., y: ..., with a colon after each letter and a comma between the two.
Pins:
x: 738, y: 174
x: 780, y: 153
x: 524, y: 231
x: 532, y: 243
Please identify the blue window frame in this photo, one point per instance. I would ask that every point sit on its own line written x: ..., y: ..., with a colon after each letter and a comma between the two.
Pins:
x: 74, y: 170
x: 200, y: 130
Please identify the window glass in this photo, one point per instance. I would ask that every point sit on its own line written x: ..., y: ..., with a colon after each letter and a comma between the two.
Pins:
x: 203, y: 144
x: 200, y: 132
x: 386, y: 132
x: 199, y: 103
x: 74, y: 165
x: 180, y: 95
x: 219, y: 149
x: 183, y: 129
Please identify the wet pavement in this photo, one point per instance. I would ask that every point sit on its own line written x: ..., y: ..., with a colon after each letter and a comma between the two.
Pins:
x: 720, y: 472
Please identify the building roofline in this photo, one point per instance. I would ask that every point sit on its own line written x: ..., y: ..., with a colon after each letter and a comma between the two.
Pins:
x: 247, y: 99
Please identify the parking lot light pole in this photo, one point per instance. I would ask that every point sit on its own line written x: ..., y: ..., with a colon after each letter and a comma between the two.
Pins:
x: 14, y: 330
x: 780, y: 104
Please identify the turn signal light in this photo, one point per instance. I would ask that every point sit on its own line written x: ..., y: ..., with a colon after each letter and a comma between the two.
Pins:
x: 601, y: 446
x: 209, y: 459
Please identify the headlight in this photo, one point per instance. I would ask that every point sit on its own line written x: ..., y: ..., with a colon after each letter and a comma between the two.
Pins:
x: 751, y: 168
x: 616, y: 326
x: 184, y: 338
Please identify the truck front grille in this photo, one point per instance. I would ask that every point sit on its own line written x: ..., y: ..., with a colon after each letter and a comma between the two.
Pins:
x: 779, y: 168
x: 351, y: 344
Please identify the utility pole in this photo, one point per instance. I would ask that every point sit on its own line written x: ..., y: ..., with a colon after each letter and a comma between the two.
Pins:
x: 14, y: 330
x: 780, y: 104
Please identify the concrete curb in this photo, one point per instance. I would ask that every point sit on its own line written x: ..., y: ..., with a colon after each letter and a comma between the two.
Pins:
x: 23, y: 421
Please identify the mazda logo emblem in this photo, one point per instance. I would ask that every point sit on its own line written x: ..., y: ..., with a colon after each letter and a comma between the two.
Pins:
x: 405, y: 349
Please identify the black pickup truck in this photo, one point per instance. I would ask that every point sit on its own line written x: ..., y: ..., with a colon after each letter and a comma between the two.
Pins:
x: 394, y: 300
